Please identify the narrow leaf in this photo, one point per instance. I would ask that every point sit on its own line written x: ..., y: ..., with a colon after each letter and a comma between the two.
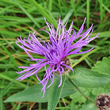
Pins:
x: 34, y: 94
x: 41, y: 10
x: 28, y: 14
x: 54, y: 93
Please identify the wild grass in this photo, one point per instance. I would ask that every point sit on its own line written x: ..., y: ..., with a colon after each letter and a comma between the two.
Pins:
x: 19, y: 17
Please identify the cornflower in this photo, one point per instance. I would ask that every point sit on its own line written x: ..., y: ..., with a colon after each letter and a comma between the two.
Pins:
x: 62, y: 44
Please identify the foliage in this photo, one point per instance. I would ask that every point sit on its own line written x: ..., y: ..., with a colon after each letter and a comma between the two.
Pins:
x: 92, y: 71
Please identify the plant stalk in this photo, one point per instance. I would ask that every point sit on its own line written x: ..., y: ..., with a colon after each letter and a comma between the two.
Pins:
x: 78, y: 89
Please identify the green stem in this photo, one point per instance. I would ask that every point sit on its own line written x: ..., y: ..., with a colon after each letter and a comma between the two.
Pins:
x: 78, y: 89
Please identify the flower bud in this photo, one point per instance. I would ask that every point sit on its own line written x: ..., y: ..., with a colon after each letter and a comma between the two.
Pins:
x: 103, y: 102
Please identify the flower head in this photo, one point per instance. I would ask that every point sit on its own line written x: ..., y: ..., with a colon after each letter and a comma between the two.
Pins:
x: 102, y: 102
x: 62, y: 43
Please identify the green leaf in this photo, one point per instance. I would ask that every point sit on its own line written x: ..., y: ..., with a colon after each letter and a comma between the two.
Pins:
x: 11, y: 58
x: 29, y: 15
x: 43, y: 12
x: 68, y: 89
x: 87, y: 78
x: 77, y: 97
x: 34, y: 94
x: 88, y: 106
x: 103, y: 66
x: 97, y: 91
x: 105, y: 34
x: 105, y: 89
x: 4, y: 76
x: 55, y: 92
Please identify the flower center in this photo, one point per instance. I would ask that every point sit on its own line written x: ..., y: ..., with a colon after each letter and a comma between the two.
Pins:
x: 67, y: 62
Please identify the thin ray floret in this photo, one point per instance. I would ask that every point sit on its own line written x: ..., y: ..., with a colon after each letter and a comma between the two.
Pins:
x: 62, y: 43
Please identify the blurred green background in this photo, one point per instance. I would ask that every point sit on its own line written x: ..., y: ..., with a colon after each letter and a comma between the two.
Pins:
x: 19, y: 17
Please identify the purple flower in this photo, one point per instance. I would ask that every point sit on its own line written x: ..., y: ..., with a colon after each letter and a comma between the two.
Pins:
x: 62, y: 44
